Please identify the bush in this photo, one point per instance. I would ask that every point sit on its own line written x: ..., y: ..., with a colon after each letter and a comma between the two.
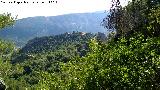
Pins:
x: 127, y: 63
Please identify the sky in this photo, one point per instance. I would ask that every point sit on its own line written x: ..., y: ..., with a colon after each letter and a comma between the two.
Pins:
x: 58, y: 7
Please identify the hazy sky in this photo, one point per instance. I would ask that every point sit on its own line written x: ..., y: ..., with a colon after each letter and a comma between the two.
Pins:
x: 52, y: 9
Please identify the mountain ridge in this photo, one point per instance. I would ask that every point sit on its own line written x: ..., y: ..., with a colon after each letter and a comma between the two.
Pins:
x: 29, y: 28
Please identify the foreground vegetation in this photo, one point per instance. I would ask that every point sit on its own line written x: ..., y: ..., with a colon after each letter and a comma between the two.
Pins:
x: 128, y: 59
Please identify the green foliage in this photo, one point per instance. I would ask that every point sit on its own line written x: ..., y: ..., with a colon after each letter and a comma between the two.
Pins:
x: 6, y: 50
x: 138, y: 16
x: 45, y: 54
x: 154, y: 21
x: 70, y: 62
x: 128, y: 63
x: 6, y: 20
x: 6, y: 69
x: 51, y: 43
x: 60, y: 47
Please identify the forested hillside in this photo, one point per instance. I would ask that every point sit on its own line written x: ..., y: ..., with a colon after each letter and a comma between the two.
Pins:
x: 23, y: 30
x: 57, y: 48
x: 129, y: 58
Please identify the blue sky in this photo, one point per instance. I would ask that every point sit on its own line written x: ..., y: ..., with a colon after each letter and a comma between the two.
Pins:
x: 61, y: 7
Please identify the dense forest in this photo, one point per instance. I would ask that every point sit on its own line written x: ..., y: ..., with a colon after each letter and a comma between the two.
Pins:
x: 128, y: 58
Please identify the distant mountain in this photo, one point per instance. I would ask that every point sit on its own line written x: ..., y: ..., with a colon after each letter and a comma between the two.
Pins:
x: 29, y: 28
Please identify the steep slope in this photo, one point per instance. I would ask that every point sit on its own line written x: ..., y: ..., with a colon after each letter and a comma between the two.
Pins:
x: 57, y: 47
x: 29, y: 28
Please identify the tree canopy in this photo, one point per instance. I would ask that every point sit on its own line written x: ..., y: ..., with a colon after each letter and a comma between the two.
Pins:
x: 130, y: 59
x: 6, y: 20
